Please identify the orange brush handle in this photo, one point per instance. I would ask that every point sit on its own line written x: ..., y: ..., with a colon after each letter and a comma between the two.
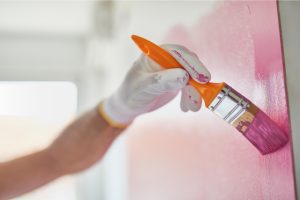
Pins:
x: 208, y: 91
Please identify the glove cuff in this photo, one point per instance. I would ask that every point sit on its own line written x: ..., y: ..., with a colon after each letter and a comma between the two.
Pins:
x: 115, y: 113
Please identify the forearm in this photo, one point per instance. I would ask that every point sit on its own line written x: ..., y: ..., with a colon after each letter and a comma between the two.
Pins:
x: 26, y: 173
x: 83, y: 142
x: 80, y: 145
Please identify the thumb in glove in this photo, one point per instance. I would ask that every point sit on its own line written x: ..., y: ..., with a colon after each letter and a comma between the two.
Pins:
x: 190, y: 97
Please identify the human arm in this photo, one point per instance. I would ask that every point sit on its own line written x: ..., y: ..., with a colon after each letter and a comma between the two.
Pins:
x: 80, y: 145
x: 146, y: 87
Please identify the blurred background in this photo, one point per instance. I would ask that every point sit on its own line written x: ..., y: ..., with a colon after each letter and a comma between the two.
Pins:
x: 59, y: 58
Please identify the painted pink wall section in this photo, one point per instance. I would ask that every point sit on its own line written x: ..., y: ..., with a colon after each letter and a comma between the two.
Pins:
x: 198, y: 156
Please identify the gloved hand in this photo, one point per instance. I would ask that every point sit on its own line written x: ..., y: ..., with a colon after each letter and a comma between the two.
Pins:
x: 148, y: 86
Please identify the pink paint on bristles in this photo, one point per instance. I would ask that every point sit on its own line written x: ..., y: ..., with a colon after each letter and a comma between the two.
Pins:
x: 265, y: 135
x: 248, y: 119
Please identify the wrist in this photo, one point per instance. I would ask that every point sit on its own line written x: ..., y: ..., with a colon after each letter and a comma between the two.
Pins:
x: 116, y: 113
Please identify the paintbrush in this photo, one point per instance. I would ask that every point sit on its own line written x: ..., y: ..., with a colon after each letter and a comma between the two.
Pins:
x: 227, y: 103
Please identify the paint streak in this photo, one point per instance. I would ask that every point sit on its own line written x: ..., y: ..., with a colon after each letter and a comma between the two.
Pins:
x: 191, y: 156
x: 202, y: 78
x: 191, y: 69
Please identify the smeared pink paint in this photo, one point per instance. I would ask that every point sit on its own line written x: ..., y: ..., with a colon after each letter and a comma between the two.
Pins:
x: 192, y: 100
x: 194, y: 96
x: 202, y: 78
x: 191, y: 156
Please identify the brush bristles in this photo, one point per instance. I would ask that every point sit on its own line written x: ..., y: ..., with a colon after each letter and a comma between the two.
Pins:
x: 248, y: 119
x: 264, y: 134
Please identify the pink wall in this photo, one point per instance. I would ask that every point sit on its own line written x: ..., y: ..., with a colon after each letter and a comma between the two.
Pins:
x: 197, y: 155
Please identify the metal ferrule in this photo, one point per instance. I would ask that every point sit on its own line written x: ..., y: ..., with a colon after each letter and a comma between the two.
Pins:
x: 229, y: 104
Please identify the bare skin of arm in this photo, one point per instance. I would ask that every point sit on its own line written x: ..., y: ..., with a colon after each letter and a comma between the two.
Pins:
x: 79, y: 146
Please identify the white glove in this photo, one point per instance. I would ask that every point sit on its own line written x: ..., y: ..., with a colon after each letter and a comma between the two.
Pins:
x: 190, y: 98
x: 148, y: 86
